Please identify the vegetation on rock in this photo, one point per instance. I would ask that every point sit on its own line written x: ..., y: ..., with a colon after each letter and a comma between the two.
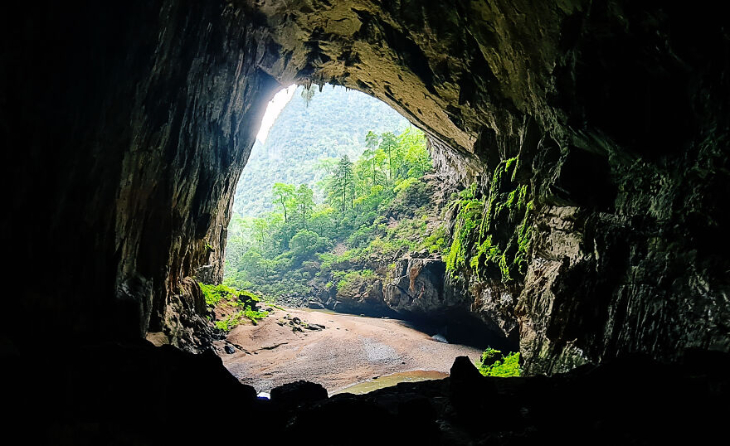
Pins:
x: 234, y: 304
x: 494, y: 363
x: 492, y: 234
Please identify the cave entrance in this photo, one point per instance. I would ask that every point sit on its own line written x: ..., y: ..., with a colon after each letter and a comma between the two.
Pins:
x: 337, y: 228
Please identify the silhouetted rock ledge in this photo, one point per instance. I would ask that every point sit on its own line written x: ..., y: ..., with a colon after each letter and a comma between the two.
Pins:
x: 140, y: 394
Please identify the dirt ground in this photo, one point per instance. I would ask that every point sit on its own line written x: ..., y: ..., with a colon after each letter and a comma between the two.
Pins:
x: 350, y: 349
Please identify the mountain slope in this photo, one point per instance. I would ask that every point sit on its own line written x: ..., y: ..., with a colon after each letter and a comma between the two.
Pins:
x: 334, y: 123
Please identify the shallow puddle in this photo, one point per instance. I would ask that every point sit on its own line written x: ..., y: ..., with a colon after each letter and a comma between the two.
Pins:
x: 391, y: 380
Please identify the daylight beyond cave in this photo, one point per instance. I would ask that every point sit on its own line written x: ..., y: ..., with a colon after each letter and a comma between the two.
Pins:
x: 340, y: 209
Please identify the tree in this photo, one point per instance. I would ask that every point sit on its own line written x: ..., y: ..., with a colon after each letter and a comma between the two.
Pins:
x: 388, y: 149
x: 305, y: 243
x: 341, y: 182
x: 368, y: 168
x: 322, y: 219
x: 417, y: 160
x: 260, y: 230
x: 390, y: 144
x: 284, y: 196
x: 304, y: 202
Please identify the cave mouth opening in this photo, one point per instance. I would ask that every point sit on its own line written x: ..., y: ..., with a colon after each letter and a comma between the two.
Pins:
x: 322, y: 255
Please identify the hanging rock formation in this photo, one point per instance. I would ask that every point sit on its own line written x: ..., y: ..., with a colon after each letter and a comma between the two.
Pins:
x: 125, y: 127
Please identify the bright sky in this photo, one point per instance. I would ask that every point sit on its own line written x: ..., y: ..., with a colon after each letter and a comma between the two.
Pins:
x: 273, y: 109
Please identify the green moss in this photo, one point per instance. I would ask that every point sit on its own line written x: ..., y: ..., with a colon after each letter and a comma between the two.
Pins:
x: 477, y: 242
x: 494, y: 363
x: 468, y: 218
x: 436, y: 242
x: 230, y: 322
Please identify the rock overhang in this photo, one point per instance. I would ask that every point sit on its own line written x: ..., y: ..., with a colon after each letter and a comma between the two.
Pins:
x: 487, y: 80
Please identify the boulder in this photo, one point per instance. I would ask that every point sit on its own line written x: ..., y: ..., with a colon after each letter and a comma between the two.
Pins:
x: 299, y: 392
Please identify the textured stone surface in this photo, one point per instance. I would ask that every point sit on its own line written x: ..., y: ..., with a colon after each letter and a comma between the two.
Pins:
x: 127, y: 125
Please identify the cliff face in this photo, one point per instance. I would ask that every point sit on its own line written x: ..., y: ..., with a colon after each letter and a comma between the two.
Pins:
x: 131, y: 125
x: 128, y: 127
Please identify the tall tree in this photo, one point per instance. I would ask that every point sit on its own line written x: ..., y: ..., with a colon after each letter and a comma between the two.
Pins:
x: 304, y: 200
x: 284, y: 196
x: 343, y: 180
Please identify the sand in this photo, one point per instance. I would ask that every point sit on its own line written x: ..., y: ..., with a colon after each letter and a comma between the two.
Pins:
x: 351, y: 349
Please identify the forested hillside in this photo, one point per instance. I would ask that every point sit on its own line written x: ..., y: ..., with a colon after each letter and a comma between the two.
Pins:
x: 338, y: 213
x: 324, y: 124
x: 376, y: 208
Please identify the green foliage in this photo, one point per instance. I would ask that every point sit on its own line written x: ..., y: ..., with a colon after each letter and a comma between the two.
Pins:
x: 284, y: 197
x: 236, y: 318
x: 333, y: 123
x: 468, y: 217
x: 226, y: 296
x: 351, y: 281
x: 215, y: 293
x: 494, y: 363
x: 279, y: 253
x: 486, y: 234
x: 340, y: 185
x: 436, y: 242
x: 230, y: 322
x: 305, y: 243
x: 255, y: 316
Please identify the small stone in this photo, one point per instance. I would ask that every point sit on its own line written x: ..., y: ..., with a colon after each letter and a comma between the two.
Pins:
x: 439, y: 338
x: 229, y: 349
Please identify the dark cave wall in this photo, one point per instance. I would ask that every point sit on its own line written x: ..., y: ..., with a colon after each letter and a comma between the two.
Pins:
x: 630, y: 255
x: 612, y: 110
x: 130, y: 122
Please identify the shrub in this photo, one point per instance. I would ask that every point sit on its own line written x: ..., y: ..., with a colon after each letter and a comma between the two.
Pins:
x: 215, y: 293
x: 255, y: 316
x: 494, y: 363
x: 226, y: 296
x: 352, y: 280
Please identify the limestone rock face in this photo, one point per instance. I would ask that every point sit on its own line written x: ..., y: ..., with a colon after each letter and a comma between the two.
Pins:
x: 419, y: 287
x: 125, y: 126
x: 184, y: 323
x: 364, y: 295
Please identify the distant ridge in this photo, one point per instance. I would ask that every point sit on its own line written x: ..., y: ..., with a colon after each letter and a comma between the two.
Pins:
x: 333, y: 124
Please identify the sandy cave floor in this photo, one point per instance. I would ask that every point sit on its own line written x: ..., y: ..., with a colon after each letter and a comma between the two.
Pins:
x: 349, y: 350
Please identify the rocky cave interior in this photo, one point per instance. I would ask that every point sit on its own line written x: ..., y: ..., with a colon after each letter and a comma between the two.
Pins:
x: 126, y: 125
